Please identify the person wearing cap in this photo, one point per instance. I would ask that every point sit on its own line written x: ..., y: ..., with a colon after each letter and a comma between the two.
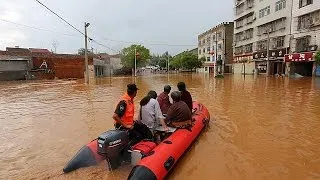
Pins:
x: 179, y: 114
x: 124, y: 113
x: 185, y: 95
x: 164, y: 100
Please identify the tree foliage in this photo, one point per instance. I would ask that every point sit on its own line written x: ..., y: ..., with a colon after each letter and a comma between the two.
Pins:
x: 317, y: 57
x: 186, y: 60
x: 81, y: 51
x: 160, y: 60
x: 127, y: 56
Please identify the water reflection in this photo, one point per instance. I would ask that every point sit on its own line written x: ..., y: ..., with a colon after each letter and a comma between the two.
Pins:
x: 265, y: 127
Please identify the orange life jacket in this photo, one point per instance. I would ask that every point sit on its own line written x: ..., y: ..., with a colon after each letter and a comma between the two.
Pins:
x: 127, y: 117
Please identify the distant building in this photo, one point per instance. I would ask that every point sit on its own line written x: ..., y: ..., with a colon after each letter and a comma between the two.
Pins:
x: 305, y: 39
x: 14, y: 67
x: 21, y: 63
x: 262, y: 32
x: 216, y: 45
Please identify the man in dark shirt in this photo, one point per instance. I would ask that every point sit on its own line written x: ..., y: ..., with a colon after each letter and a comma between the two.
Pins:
x: 179, y: 114
x: 185, y: 95
x: 164, y: 100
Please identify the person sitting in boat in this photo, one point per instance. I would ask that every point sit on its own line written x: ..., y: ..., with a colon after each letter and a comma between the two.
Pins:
x: 124, y: 113
x: 164, y: 100
x: 185, y: 95
x: 150, y: 112
x: 179, y: 114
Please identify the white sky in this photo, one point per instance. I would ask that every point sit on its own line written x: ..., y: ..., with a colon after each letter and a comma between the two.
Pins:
x: 173, y: 22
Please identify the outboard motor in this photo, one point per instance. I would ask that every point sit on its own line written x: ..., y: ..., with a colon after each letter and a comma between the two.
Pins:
x: 113, y: 145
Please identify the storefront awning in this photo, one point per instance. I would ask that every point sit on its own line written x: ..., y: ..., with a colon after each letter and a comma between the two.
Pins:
x: 299, y: 57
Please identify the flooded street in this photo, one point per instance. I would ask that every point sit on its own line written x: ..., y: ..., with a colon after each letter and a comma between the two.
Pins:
x: 264, y: 128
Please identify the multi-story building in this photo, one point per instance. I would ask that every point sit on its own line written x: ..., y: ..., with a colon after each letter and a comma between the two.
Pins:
x: 261, y: 35
x: 216, y: 46
x: 305, y: 39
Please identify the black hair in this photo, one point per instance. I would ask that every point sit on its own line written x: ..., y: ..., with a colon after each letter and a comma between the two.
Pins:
x: 181, y: 86
x: 145, y: 100
x: 130, y: 92
x: 176, y: 96
x: 167, y: 88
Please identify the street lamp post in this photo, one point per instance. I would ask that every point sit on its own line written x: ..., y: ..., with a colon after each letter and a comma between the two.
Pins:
x: 86, y: 25
x: 135, y: 62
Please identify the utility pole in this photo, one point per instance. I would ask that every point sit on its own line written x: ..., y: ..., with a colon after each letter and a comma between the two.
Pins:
x: 86, y: 25
x: 268, y: 48
x: 216, y: 56
x: 135, y: 62
x: 167, y: 62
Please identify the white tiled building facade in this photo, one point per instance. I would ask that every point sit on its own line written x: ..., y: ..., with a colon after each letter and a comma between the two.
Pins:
x: 292, y: 27
x: 216, y: 44
x: 253, y: 19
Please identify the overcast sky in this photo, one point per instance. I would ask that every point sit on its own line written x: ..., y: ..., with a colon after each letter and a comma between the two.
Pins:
x: 171, y: 22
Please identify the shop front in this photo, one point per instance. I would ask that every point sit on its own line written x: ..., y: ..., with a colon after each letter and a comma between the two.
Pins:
x: 276, y: 61
x: 301, y: 63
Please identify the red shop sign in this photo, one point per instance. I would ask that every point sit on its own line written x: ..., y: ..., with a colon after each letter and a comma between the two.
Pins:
x: 299, y: 57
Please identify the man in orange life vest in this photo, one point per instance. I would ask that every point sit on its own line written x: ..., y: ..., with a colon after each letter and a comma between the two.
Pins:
x: 124, y: 112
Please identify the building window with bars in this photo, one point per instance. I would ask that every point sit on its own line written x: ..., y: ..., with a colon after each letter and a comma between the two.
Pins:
x: 264, y: 12
x: 303, y: 3
x: 280, y: 5
x: 303, y: 44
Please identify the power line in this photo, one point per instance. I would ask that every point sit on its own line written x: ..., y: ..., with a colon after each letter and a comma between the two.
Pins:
x: 152, y: 44
x: 59, y: 17
x: 73, y: 26
x: 37, y: 28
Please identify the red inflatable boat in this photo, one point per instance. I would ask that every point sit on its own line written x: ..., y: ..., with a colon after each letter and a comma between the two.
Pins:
x: 150, y: 160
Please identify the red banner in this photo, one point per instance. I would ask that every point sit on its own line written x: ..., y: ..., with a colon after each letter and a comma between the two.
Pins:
x: 299, y: 57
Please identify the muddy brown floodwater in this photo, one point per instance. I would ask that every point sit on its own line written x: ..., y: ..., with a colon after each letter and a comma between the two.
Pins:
x: 265, y: 128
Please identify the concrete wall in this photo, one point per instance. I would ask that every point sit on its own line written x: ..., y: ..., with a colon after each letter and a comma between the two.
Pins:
x: 13, y: 65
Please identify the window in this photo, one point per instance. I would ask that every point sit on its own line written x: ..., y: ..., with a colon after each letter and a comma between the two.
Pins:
x: 239, y: 23
x: 264, y: 12
x: 304, y: 22
x: 208, y: 39
x: 199, y: 43
x: 203, y: 41
x: 238, y: 50
x: 303, y: 3
x: 303, y: 44
x: 280, y: 5
x: 219, y: 47
x: 262, y: 45
x: 219, y: 57
x: 204, y: 50
x: 279, y: 41
x: 205, y: 68
x: 248, y: 48
x: 219, y: 35
x: 208, y: 49
x: 208, y: 58
x: 214, y: 37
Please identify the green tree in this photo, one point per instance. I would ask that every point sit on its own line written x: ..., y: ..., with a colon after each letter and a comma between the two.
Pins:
x: 187, y: 60
x: 127, y: 56
x: 81, y: 51
x: 317, y: 57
